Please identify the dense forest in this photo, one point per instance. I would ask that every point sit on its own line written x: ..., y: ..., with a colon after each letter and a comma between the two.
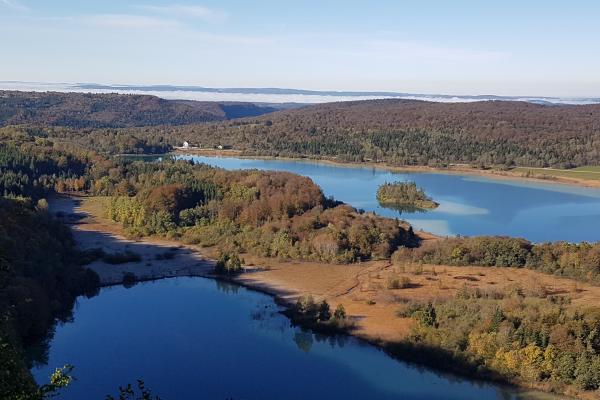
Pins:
x: 85, y: 110
x: 149, y: 140
x: 404, y: 132
x: 271, y: 214
x: 527, y: 336
x: 40, y: 275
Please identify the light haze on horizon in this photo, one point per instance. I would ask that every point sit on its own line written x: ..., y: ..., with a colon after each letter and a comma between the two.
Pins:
x: 520, y: 48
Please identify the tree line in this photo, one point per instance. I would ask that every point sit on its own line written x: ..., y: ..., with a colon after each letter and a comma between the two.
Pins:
x: 579, y: 261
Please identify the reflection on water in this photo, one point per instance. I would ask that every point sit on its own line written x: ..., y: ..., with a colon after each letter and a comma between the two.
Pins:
x: 227, y: 287
x: 468, y: 205
x: 450, y: 207
x: 403, y: 208
x: 192, y: 338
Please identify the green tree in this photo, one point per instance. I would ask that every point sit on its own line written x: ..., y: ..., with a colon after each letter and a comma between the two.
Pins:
x: 426, y: 317
x: 324, y: 312
x: 340, y: 312
x: 228, y: 264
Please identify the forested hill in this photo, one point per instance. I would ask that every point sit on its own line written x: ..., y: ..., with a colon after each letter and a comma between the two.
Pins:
x: 400, y: 132
x: 482, y: 120
x: 417, y: 132
x: 85, y: 110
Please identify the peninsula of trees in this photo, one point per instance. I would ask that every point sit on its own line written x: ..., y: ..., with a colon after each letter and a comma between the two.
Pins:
x: 404, y: 196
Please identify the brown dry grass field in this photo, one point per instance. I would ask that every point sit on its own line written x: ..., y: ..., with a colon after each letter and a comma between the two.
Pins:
x: 364, y: 291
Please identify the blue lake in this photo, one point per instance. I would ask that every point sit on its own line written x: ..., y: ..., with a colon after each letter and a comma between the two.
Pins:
x: 196, y: 338
x: 469, y: 205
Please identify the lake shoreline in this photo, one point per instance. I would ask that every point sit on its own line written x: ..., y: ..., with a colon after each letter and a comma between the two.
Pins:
x: 453, y: 169
x: 264, y: 279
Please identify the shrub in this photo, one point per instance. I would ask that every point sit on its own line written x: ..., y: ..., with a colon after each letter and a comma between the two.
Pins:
x: 427, y: 316
x: 228, y: 264
x: 339, y: 313
x: 395, y: 282
x: 324, y: 312
x: 306, y: 305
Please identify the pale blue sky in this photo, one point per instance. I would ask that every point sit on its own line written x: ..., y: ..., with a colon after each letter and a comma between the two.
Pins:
x: 524, y: 47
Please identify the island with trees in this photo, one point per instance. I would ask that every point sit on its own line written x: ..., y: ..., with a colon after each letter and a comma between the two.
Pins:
x: 404, y: 196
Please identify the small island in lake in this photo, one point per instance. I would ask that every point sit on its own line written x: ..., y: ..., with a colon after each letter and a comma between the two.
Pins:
x: 404, y: 196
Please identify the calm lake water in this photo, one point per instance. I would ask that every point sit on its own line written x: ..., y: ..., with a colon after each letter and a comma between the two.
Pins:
x: 196, y: 338
x: 469, y: 205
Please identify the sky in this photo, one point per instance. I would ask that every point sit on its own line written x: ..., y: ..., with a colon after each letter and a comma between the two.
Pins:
x: 509, y: 47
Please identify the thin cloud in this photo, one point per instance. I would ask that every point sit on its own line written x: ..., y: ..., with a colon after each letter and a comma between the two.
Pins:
x: 130, y: 21
x: 185, y: 11
x: 15, y: 5
x: 426, y: 51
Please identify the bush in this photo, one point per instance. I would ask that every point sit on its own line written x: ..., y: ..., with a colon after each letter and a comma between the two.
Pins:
x: 228, y: 264
x: 395, y: 282
x: 339, y: 313
x: 306, y: 305
x: 324, y: 313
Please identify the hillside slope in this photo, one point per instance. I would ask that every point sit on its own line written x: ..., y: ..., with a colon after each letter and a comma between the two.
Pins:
x: 416, y: 132
x: 84, y: 110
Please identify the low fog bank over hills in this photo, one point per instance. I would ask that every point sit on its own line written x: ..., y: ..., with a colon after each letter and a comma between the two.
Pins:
x: 271, y: 96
